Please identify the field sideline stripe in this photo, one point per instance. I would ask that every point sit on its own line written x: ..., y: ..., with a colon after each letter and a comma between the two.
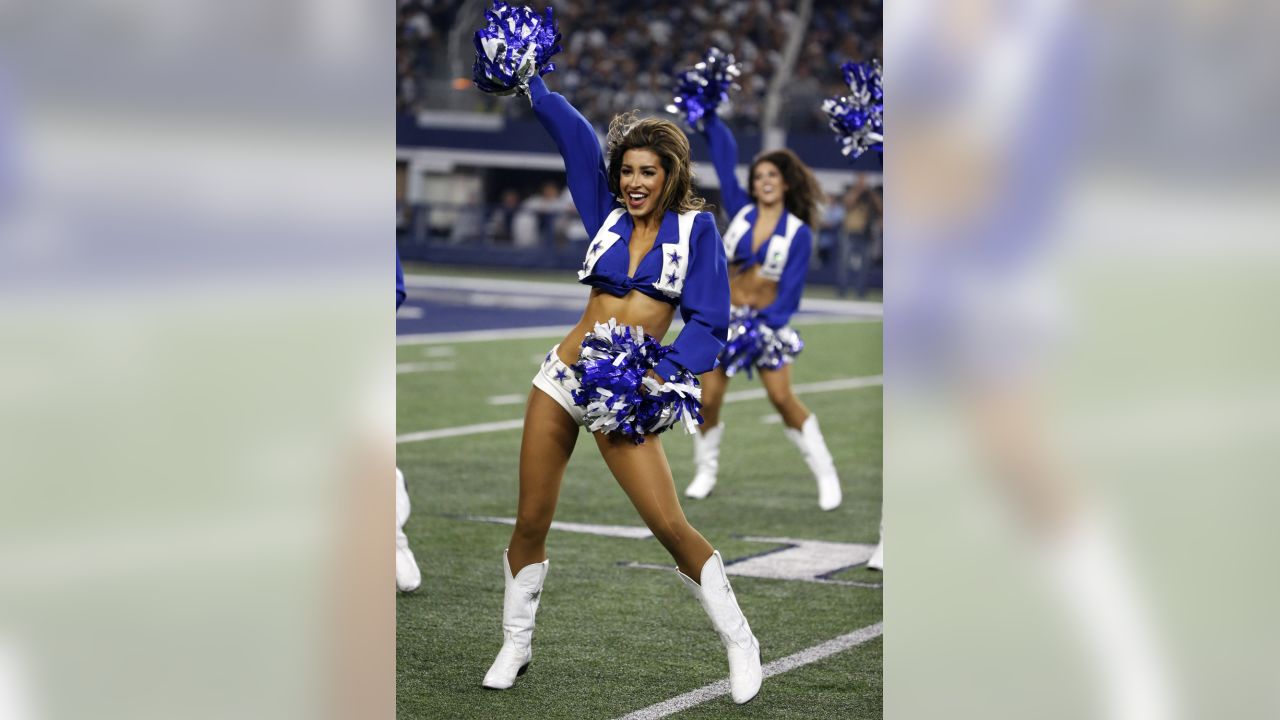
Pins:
x: 753, y: 394
x: 551, y: 332
x: 719, y: 688
x: 463, y: 430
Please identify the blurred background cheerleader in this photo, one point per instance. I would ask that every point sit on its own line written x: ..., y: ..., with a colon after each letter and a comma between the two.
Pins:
x: 768, y: 243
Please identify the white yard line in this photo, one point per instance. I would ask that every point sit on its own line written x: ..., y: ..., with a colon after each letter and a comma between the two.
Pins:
x: 507, y: 399
x: 415, y: 367
x: 555, y: 332
x: 754, y: 394
x: 720, y: 688
x: 458, y: 431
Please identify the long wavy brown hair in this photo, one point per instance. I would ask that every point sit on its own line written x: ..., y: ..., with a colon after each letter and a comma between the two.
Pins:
x: 666, y: 140
x: 803, y: 192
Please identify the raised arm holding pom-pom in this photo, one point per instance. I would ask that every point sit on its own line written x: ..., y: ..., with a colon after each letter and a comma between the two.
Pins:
x: 768, y: 244
x: 653, y: 252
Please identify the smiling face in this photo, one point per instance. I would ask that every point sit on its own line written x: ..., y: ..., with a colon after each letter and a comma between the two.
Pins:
x: 767, y: 185
x: 641, y: 180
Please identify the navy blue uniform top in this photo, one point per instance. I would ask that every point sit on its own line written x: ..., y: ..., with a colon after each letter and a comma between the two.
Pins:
x: 703, y: 298
x: 724, y: 155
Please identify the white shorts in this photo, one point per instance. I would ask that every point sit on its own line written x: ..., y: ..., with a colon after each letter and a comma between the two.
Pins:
x: 557, y: 380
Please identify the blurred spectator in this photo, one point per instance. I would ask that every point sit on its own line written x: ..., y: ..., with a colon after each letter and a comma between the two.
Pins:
x: 502, y: 219
x: 540, y: 218
x: 860, y: 229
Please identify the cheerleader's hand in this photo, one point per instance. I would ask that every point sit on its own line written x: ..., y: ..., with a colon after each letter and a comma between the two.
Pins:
x: 653, y: 382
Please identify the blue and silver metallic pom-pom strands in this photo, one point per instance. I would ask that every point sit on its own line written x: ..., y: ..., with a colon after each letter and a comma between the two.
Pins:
x: 618, y: 395
x: 778, y: 347
x: 858, y: 118
x: 703, y: 88
x: 514, y: 45
x: 743, y: 346
x: 753, y: 344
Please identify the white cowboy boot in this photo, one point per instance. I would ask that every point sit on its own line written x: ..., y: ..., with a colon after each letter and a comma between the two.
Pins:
x: 718, y: 600
x: 814, y: 449
x: 408, y: 576
x: 519, y: 606
x: 706, y: 457
x: 876, y: 562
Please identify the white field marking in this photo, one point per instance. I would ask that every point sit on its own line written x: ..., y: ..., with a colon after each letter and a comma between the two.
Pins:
x: 413, y: 367
x: 409, y: 312
x: 507, y: 399
x: 459, y: 431
x: 807, y: 560
x: 756, y: 394
x: 720, y: 688
x: 577, y: 290
x: 466, y: 336
x: 798, y: 560
x: 816, y: 387
x: 816, y: 581
x: 771, y: 419
x: 553, y: 332
x: 629, y: 532
x: 439, y: 352
x: 812, y: 561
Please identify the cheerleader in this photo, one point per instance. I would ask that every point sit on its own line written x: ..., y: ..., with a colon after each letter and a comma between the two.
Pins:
x: 652, y: 252
x: 768, y: 244
x: 408, y: 576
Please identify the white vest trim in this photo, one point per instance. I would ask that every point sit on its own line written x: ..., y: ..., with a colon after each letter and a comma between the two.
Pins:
x: 675, y: 258
x: 604, y: 239
x: 737, y: 228
x: 775, y: 259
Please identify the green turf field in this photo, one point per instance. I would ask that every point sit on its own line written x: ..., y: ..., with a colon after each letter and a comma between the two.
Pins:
x: 613, y: 639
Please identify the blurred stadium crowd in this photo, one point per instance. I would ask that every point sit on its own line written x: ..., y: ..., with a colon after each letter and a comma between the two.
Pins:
x: 459, y: 202
x: 622, y: 55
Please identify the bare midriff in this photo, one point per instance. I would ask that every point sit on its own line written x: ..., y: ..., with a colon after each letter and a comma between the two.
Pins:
x: 634, y: 308
x: 748, y: 287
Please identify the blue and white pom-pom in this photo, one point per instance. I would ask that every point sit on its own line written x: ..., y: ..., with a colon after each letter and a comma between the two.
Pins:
x: 743, y: 344
x: 753, y: 344
x: 618, y: 395
x: 703, y: 88
x: 516, y: 44
x: 858, y: 118
x: 778, y: 347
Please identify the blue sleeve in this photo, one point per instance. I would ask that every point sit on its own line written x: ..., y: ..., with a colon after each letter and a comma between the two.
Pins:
x: 704, y: 304
x: 400, y: 293
x: 724, y: 155
x: 580, y: 148
x: 791, y: 284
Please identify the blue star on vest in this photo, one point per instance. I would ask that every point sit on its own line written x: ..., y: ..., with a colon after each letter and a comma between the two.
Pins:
x: 672, y: 278
x: 675, y: 256
x: 595, y: 246
x: 560, y: 375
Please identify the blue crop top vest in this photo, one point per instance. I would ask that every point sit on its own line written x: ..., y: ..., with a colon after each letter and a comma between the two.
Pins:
x: 686, y: 266
x: 784, y: 257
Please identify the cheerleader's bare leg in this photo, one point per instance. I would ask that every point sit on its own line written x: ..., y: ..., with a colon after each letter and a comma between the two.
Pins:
x: 549, y: 436
x: 802, y: 429
x: 644, y: 475
x: 706, y: 442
